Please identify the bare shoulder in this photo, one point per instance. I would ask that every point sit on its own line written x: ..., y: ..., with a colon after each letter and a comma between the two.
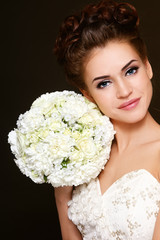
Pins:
x: 158, y: 147
x: 157, y: 150
x: 156, y: 137
x: 153, y: 149
x: 157, y: 140
x: 156, y: 144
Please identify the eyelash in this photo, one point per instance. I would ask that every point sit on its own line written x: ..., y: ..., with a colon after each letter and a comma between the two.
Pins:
x: 106, y: 83
x: 103, y: 84
x: 131, y: 71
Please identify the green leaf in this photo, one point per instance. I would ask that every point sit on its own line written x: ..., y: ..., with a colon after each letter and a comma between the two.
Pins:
x: 75, y: 147
x: 45, y: 178
x: 65, y: 162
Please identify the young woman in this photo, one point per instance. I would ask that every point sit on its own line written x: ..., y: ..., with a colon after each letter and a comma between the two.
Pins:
x: 105, y: 57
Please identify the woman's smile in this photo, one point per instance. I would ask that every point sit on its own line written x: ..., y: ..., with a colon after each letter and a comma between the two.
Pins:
x: 129, y: 105
x: 117, y: 79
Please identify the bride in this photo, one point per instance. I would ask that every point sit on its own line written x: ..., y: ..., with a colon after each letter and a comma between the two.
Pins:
x: 105, y: 57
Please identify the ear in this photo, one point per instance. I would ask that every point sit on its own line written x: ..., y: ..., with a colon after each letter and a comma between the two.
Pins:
x: 87, y: 95
x: 149, y: 69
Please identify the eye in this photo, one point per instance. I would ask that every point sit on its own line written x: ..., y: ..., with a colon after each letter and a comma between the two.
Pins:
x: 131, y: 71
x: 104, y: 84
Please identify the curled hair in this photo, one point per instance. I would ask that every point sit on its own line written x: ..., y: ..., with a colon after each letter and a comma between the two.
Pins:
x: 93, y: 27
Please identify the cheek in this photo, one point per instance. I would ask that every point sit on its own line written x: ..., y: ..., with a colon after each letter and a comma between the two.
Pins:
x: 104, y: 102
x: 147, y: 88
x: 149, y: 91
x: 143, y: 84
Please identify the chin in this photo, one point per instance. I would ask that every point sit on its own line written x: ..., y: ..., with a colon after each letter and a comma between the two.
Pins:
x: 134, y: 120
x: 131, y: 118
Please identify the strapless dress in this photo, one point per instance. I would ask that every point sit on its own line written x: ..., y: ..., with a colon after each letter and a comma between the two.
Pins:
x: 126, y: 211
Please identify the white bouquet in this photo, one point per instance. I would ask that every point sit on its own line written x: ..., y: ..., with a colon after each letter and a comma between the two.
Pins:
x: 63, y: 140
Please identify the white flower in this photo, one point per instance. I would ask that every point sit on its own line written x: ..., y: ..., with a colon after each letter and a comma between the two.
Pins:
x: 63, y: 140
x: 87, y: 146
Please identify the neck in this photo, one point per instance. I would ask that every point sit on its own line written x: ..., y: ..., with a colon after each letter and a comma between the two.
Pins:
x: 129, y: 135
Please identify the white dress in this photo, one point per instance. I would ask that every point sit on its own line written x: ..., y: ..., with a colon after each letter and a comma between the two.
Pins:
x: 126, y: 211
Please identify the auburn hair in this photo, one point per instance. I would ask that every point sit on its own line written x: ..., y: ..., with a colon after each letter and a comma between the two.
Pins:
x: 95, y: 26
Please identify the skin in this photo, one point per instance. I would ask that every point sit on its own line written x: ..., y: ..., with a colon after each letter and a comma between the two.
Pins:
x: 127, y: 77
x: 114, y: 75
x: 119, y: 85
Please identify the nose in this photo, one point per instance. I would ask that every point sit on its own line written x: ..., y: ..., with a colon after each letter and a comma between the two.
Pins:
x: 124, y: 89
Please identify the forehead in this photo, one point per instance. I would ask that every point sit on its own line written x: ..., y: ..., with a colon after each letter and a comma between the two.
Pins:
x: 112, y: 57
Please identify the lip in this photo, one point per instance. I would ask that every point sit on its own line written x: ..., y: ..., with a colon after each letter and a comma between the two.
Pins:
x: 129, y: 104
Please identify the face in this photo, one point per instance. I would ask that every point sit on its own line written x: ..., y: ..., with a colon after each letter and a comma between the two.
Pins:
x: 118, y: 81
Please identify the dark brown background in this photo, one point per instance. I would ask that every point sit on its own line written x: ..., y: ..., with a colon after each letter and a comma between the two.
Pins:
x: 29, y: 68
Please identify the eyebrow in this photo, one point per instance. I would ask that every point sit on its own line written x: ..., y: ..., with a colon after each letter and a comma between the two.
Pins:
x: 107, y: 76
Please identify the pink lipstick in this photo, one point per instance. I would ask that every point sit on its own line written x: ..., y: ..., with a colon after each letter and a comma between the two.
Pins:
x: 129, y: 104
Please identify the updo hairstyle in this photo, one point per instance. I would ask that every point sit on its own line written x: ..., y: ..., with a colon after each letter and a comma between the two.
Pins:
x: 95, y: 26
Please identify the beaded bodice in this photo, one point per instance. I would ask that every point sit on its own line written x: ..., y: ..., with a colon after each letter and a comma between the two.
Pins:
x: 126, y: 211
